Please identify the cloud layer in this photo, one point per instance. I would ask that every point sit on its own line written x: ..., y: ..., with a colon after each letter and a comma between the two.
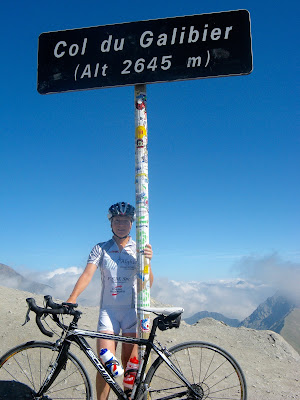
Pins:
x: 272, y: 270
x: 259, y: 278
x: 233, y: 298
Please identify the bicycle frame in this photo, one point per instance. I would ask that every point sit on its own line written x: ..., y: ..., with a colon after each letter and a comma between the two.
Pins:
x: 77, y: 336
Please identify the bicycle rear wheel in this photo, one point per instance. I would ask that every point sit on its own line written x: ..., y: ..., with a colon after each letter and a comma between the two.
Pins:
x: 24, y: 368
x: 212, y: 372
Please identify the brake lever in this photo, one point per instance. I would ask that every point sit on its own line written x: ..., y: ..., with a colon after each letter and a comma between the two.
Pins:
x: 27, y: 318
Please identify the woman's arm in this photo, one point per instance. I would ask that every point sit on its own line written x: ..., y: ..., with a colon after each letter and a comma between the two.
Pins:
x: 82, y: 282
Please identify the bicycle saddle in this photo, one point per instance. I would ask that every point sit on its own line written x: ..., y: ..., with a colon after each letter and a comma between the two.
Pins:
x: 162, y: 310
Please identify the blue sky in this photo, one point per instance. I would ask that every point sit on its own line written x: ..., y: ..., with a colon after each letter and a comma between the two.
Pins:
x: 223, y: 153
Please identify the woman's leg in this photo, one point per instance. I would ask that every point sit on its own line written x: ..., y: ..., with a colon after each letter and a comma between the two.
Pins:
x: 129, y: 329
x: 107, y: 324
x: 129, y: 350
x: 102, y: 387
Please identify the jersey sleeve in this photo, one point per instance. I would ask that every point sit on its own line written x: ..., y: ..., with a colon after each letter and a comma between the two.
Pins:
x: 95, y: 255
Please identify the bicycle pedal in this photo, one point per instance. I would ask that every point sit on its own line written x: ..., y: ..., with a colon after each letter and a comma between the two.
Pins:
x: 128, y: 393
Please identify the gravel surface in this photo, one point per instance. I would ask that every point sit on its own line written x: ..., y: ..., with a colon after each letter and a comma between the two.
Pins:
x: 271, y: 366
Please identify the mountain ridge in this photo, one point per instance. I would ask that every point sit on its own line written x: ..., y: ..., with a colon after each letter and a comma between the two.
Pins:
x: 277, y: 313
x: 270, y: 314
x: 215, y: 315
x: 12, y: 279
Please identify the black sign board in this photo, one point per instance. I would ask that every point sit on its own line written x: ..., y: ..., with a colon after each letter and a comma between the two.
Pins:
x: 162, y: 50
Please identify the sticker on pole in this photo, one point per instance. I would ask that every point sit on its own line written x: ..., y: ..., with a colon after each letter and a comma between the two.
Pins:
x: 145, y: 325
x: 162, y: 50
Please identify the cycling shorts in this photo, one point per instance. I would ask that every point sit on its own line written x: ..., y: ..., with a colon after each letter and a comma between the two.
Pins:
x: 115, y: 320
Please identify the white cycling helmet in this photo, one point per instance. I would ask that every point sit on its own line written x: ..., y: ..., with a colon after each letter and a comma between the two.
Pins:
x: 121, y: 208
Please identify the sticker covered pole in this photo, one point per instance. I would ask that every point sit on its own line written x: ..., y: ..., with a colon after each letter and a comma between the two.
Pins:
x: 142, y: 208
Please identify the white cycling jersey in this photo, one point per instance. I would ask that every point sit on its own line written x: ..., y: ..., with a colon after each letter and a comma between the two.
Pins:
x: 118, y: 273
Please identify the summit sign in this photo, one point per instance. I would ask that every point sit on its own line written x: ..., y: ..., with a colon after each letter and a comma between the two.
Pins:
x: 162, y: 50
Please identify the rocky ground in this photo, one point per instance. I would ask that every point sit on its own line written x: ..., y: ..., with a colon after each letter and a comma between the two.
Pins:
x: 270, y: 364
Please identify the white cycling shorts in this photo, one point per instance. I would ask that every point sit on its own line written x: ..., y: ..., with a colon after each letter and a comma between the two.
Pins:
x: 115, y: 320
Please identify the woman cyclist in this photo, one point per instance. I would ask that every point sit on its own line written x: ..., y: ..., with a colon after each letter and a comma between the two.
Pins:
x: 116, y: 259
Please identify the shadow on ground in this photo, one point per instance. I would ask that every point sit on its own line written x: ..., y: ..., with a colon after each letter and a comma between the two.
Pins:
x: 10, y: 390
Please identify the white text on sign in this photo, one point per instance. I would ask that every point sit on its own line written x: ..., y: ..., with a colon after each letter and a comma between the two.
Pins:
x: 147, y: 39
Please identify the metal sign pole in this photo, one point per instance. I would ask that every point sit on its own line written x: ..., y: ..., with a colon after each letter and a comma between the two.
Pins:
x: 142, y: 209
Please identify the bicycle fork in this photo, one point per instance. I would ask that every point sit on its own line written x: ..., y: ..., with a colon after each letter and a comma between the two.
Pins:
x: 56, y: 367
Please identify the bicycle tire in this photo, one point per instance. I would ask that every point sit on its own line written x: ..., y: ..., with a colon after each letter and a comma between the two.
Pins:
x: 24, y: 368
x: 212, y: 372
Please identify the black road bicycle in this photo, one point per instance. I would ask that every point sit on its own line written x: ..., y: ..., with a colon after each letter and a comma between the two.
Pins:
x: 39, y: 370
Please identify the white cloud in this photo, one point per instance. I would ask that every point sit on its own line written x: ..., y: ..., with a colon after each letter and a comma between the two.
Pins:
x: 62, y: 271
x: 62, y: 281
x: 283, y: 276
x: 234, y: 298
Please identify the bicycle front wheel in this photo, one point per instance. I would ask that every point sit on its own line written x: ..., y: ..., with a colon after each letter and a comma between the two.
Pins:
x: 25, y: 368
x: 211, y: 371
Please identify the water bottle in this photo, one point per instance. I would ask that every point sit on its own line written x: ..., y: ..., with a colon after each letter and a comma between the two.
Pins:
x: 111, y: 363
x: 130, y: 373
